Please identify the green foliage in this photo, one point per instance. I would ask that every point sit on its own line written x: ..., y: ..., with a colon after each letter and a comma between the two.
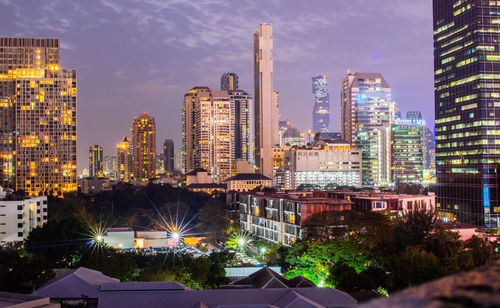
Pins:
x: 213, y: 221
x: 415, y: 266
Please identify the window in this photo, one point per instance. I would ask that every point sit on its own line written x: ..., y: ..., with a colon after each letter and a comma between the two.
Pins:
x: 20, y: 225
x: 19, y: 216
x: 19, y: 234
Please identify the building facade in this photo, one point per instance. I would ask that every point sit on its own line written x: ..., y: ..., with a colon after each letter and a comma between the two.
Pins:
x: 467, y: 107
x: 124, y: 161
x: 19, y: 217
x: 325, y: 165
x: 241, y: 104
x: 367, y: 109
x: 110, y: 167
x: 96, y: 161
x: 208, y: 130
x: 229, y: 82
x: 169, y: 155
x: 266, y: 101
x: 143, y: 134
x: 37, y: 118
x: 321, y: 104
x: 247, y: 182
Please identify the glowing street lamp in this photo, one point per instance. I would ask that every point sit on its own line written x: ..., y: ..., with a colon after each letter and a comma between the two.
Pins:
x: 176, y: 236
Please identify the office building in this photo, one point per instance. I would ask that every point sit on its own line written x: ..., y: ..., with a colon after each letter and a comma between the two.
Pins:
x: 266, y: 101
x: 467, y: 74
x: 96, y: 162
x: 293, y: 137
x: 279, y: 166
x: 143, y: 134
x: 407, y: 151
x: 327, y: 165
x: 169, y: 156
x: 37, y: 118
x: 321, y: 104
x: 229, y: 82
x: 366, y: 109
x: 19, y: 216
x: 208, y: 128
x: 124, y: 161
x: 179, y: 161
x: 247, y: 182
x: 110, y: 167
x: 241, y: 105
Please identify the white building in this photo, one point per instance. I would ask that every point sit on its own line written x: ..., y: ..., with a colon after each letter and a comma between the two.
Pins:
x: 335, y: 164
x: 19, y: 217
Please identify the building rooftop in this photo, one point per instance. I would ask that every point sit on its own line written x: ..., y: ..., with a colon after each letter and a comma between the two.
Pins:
x: 266, y: 278
x: 249, y: 177
x: 195, y: 171
x: 23, y: 300
x: 206, y: 185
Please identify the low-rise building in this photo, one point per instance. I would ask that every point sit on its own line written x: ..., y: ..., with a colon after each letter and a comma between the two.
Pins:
x: 208, y: 188
x: 247, y: 182
x: 18, y: 216
x: 279, y: 217
x: 198, y: 176
x: 326, y: 164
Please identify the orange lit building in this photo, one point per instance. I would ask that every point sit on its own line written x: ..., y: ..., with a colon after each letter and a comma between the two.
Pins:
x: 37, y: 118
x: 143, y: 133
x: 124, y: 161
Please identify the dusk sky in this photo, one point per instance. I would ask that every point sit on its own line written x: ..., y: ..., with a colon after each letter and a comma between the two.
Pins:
x: 135, y: 56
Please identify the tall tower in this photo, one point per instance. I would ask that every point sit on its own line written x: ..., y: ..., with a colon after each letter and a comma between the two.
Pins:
x: 168, y: 152
x: 96, y: 161
x: 143, y: 133
x: 467, y: 104
x: 208, y: 130
x: 229, y: 82
x: 124, y: 160
x: 241, y: 104
x: 367, y: 113
x: 37, y: 118
x: 321, y: 104
x: 266, y: 105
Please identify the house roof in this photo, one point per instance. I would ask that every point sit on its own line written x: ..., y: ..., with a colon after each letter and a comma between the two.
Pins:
x: 249, y: 177
x: 266, y: 278
x: 195, y: 171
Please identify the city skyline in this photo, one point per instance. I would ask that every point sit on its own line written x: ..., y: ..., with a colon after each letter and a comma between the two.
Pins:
x: 110, y: 79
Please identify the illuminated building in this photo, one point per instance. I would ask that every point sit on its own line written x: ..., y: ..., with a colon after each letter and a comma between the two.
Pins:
x: 241, y: 104
x: 266, y: 101
x: 143, y: 133
x: 19, y: 217
x: 293, y: 137
x: 168, y: 153
x: 179, y: 161
x: 229, y: 82
x: 467, y: 105
x: 37, y: 118
x: 248, y: 182
x: 284, y: 125
x: 96, y: 161
x: 366, y: 108
x: 407, y: 151
x: 124, y: 160
x: 321, y: 104
x: 279, y: 166
x: 110, y: 167
x: 326, y: 164
x: 208, y: 129
x: 279, y: 218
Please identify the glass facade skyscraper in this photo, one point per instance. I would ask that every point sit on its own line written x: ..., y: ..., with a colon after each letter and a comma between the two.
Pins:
x: 321, y: 104
x: 467, y: 104
x: 96, y: 161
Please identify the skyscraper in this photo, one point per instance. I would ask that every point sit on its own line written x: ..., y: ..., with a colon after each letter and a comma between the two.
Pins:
x: 367, y: 113
x: 168, y: 152
x: 321, y: 104
x: 241, y: 104
x: 37, y: 118
x: 110, y: 167
x: 266, y: 101
x: 143, y: 133
x: 96, y: 161
x: 208, y: 130
x: 467, y: 79
x: 124, y: 160
x: 229, y: 82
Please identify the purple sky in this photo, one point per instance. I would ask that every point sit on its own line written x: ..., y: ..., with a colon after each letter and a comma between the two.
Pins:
x: 135, y: 56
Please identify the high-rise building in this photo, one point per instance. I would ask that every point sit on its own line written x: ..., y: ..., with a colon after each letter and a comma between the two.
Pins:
x: 96, y: 167
x: 467, y: 105
x: 229, y: 82
x: 321, y: 104
x: 124, y: 160
x: 168, y: 153
x: 241, y: 104
x: 110, y: 167
x: 208, y: 129
x: 367, y: 113
x: 37, y: 118
x: 266, y: 101
x: 143, y: 132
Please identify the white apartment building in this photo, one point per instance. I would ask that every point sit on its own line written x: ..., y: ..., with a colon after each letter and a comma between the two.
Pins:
x: 326, y: 164
x: 19, y: 217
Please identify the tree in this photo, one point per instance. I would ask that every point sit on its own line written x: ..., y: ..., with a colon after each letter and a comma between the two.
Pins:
x: 414, y: 266
x: 213, y: 221
x: 412, y: 228
x: 482, y: 251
